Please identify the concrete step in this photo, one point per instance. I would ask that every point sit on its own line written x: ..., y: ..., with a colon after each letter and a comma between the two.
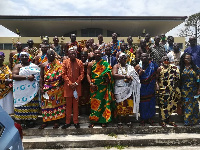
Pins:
x: 111, y: 129
x: 133, y: 148
x: 103, y: 140
x: 85, y: 119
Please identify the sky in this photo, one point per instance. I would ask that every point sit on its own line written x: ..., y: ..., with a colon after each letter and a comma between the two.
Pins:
x: 98, y: 8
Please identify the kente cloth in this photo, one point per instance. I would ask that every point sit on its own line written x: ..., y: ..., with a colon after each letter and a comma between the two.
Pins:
x: 130, y: 58
x: 189, y: 87
x: 157, y: 52
x: 5, y: 73
x: 195, y: 53
x: 147, y: 91
x: 16, y: 59
x: 32, y: 51
x: 125, y: 107
x: 124, y: 90
x: 115, y: 47
x: 53, y: 101
x: 43, y: 59
x: 29, y: 111
x: 169, y: 93
x: 102, y: 100
x: 24, y: 91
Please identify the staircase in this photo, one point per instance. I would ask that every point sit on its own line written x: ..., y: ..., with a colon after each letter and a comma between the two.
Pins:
x: 112, y: 136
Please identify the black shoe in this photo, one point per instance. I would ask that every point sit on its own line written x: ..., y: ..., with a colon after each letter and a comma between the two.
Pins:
x: 66, y: 126
x: 77, y: 126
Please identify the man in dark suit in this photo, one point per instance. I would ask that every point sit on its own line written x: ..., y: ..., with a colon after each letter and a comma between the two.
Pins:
x: 108, y: 57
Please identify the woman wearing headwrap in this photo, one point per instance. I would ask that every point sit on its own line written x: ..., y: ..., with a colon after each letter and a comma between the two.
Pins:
x: 127, y: 89
x: 25, y: 91
x: 6, y: 98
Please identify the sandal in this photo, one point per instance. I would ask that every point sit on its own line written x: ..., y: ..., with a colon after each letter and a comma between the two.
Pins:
x: 120, y: 125
x: 173, y: 124
x: 91, y: 126
x: 103, y: 125
x: 162, y: 124
x: 142, y: 123
x: 43, y: 126
x: 56, y: 126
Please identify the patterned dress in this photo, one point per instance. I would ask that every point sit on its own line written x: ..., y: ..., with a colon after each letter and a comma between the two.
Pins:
x: 157, y: 52
x: 169, y: 94
x: 190, y: 84
x: 43, y: 59
x: 6, y: 98
x: 115, y: 47
x: 53, y: 101
x: 102, y: 100
x: 147, y: 92
x: 25, y: 95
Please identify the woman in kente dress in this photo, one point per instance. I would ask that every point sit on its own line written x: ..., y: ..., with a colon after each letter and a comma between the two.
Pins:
x: 6, y: 97
x: 190, y: 89
x: 51, y: 86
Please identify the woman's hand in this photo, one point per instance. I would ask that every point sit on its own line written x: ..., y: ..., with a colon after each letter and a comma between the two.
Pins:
x: 31, y: 77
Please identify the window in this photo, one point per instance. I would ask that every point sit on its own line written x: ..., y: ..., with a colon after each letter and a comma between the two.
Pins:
x: 91, y: 32
x: 8, y: 46
x: 180, y: 45
x: 1, y: 46
x: 24, y: 45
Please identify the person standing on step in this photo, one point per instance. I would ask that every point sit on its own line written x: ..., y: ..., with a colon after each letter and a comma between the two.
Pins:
x: 147, y: 73
x: 169, y: 92
x: 127, y: 90
x: 25, y: 91
x: 73, y: 74
x: 6, y: 95
x: 190, y: 89
x: 99, y: 76
x: 52, y: 95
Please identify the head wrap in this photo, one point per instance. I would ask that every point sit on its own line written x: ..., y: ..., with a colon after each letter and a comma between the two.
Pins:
x: 2, y: 54
x: 122, y: 54
x: 24, y: 53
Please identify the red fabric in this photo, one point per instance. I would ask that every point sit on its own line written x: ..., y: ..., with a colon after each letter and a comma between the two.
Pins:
x: 18, y: 126
x: 71, y: 102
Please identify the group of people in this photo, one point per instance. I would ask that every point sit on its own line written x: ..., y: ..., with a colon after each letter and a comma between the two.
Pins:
x: 111, y: 80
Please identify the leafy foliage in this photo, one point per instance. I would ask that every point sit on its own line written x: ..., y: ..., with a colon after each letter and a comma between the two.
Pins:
x: 192, y: 26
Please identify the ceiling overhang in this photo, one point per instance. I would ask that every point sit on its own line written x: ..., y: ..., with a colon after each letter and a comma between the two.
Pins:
x: 34, y: 26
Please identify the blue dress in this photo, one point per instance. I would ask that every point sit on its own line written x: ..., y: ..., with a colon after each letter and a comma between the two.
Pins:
x: 147, y: 92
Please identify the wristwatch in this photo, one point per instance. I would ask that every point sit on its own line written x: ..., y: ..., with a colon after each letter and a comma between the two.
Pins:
x: 76, y: 83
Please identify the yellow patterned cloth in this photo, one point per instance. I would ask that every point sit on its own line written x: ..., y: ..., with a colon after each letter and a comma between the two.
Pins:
x: 4, y: 89
x: 169, y: 93
x: 53, y: 107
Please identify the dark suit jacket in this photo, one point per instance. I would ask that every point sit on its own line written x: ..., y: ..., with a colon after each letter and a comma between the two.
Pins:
x: 113, y: 60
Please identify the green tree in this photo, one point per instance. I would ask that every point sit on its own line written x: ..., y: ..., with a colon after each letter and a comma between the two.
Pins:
x: 192, y: 26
